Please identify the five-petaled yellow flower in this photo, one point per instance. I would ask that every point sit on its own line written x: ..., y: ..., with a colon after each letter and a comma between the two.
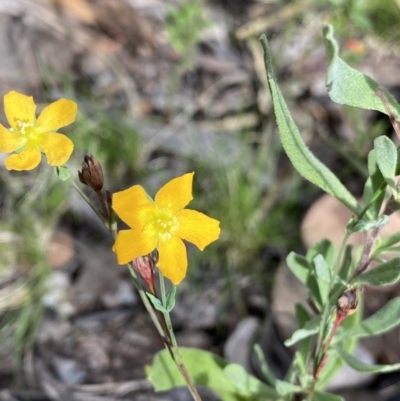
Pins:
x: 162, y: 224
x: 30, y: 136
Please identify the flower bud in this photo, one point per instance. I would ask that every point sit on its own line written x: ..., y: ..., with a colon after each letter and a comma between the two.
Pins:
x: 347, y: 302
x: 92, y: 173
x: 145, y: 268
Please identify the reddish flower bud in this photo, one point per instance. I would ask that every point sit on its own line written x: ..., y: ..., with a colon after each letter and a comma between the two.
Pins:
x: 347, y: 302
x: 92, y: 173
x: 144, y: 266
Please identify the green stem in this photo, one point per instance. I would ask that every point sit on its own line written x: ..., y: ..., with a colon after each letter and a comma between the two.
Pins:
x: 322, y: 345
x: 87, y: 200
x: 174, y: 350
x: 146, y: 302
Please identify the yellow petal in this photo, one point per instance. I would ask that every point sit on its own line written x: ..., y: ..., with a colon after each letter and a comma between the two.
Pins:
x: 19, y: 107
x: 57, y: 147
x: 133, y: 206
x: 28, y: 159
x: 173, y: 259
x: 56, y: 115
x: 197, y: 228
x: 10, y: 141
x: 175, y: 194
x: 131, y: 244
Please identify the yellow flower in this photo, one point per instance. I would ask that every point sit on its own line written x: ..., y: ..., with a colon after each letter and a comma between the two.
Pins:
x: 162, y: 224
x: 30, y: 136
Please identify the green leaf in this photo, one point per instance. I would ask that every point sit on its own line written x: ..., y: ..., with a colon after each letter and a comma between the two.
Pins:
x: 367, y: 225
x: 62, y: 172
x: 267, y: 372
x: 310, y: 328
x: 304, y: 346
x: 170, y: 303
x: 209, y: 370
x: 383, y: 243
x: 382, y: 321
x: 300, y: 156
x: 299, y: 266
x: 321, y: 396
x: 374, y: 189
x: 156, y: 303
x: 386, y: 158
x: 323, y: 277
x: 385, y: 274
x: 349, y: 86
x: 347, y: 264
x: 284, y: 388
x: 363, y: 367
x: 247, y: 385
x: 326, y: 249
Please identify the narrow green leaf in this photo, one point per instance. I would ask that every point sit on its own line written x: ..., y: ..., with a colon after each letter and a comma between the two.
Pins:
x: 170, y: 302
x: 284, y: 388
x: 156, y: 302
x: 323, y: 277
x: 367, y: 225
x: 349, y: 86
x: 300, y: 156
x: 321, y: 396
x: 308, y: 330
x: 62, y: 172
x: 386, y: 242
x: 356, y: 364
x: 299, y: 266
x: 304, y: 346
x: 382, y: 321
x: 326, y: 249
x: 375, y: 186
x: 267, y: 372
x: 385, y: 274
x: 386, y: 158
x: 347, y: 264
x: 321, y: 269
x: 247, y: 385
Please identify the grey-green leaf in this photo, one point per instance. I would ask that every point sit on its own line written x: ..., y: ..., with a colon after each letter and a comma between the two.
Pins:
x: 310, y: 328
x: 284, y: 388
x: 349, y: 86
x: 374, y: 190
x: 382, y: 321
x: 323, y: 277
x: 62, y: 172
x: 386, y: 242
x: 363, y: 367
x: 156, y: 303
x: 321, y: 396
x: 170, y: 303
x: 299, y: 266
x: 367, y: 225
x: 386, y: 158
x: 385, y: 274
x: 300, y: 156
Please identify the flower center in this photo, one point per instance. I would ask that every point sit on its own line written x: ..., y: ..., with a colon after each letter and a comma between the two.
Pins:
x: 25, y: 128
x: 164, y: 224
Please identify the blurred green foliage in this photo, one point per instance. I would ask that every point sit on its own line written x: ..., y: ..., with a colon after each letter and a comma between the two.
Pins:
x: 184, y: 26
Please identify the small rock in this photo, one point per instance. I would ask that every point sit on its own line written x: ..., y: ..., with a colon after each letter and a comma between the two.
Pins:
x: 194, y: 339
x: 240, y: 343
x: 69, y: 371
x: 120, y: 293
x: 55, y: 298
x: 61, y: 252
x: 199, y: 309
